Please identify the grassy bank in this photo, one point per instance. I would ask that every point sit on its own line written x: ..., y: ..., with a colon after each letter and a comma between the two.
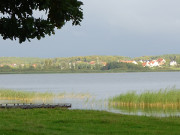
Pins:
x: 78, y: 122
x: 164, y: 98
x: 87, y: 71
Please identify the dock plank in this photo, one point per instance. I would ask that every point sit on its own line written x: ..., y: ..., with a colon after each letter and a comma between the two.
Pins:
x: 31, y: 106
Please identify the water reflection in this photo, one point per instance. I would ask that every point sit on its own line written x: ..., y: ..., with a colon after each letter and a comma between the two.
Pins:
x: 147, y: 111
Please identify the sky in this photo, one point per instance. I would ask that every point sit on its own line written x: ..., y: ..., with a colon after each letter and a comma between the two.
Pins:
x: 130, y: 28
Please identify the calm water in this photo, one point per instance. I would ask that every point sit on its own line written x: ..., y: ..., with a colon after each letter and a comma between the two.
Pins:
x: 99, y: 86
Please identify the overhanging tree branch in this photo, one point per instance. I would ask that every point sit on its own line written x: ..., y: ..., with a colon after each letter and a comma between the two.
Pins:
x: 17, y: 20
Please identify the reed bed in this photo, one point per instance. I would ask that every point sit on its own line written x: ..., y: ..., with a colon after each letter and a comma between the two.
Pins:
x: 163, y: 98
x: 38, y: 97
x: 6, y: 94
x: 74, y: 95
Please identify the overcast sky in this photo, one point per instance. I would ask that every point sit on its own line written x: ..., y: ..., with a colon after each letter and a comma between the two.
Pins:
x: 110, y: 27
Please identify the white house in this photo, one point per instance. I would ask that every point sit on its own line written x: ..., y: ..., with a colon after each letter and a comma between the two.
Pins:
x: 173, y: 63
x: 154, y: 63
x: 134, y: 62
x: 141, y: 61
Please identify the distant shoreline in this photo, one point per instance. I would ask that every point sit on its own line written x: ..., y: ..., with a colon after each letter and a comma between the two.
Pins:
x: 88, y: 72
x: 90, y: 64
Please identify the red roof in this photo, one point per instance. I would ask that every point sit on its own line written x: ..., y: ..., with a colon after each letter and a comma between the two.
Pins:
x: 152, y: 62
x: 144, y: 64
x: 92, y: 62
x: 104, y: 63
x: 123, y: 61
x: 160, y: 59
x: 34, y: 65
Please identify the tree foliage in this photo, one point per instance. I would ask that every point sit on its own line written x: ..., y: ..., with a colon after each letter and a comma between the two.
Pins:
x: 17, y: 20
x: 122, y: 66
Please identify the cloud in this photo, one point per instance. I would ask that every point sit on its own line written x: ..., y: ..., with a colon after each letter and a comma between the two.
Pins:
x: 146, y: 16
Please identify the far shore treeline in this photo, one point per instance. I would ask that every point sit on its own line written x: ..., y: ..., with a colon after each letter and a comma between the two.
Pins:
x: 91, y: 64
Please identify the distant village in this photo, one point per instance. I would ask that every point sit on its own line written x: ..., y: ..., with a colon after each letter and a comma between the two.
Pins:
x: 152, y: 63
x: 145, y: 63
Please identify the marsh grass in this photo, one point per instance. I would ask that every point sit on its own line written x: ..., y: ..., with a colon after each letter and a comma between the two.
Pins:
x: 38, y: 97
x: 168, y: 98
x: 74, y: 95
x: 7, y: 94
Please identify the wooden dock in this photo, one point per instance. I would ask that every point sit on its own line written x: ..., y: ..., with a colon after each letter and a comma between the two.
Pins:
x: 31, y: 106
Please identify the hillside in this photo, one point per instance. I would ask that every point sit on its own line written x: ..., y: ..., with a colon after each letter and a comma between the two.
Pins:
x: 89, y: 64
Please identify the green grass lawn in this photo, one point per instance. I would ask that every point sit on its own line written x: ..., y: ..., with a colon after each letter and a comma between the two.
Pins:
x: 81, y: 122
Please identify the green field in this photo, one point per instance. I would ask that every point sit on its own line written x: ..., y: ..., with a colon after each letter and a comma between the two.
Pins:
x: 81, y: 122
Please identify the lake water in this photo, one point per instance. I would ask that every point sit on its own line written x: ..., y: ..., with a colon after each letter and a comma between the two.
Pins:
x: 97, y: 86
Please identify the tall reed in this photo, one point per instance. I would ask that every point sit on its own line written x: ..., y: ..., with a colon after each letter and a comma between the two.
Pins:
x: 164, y: 98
